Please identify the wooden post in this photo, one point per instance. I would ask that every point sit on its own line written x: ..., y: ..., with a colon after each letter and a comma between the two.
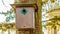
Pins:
x: 38, y: 21
x: 39, y: 17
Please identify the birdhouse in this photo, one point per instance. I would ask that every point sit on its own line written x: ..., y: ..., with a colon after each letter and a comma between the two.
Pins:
x: 23, y: 1
x: 25, y: 16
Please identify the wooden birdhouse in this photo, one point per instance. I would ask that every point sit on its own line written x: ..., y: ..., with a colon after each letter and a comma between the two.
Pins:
x: 23, y: 1
x: 25, y: 16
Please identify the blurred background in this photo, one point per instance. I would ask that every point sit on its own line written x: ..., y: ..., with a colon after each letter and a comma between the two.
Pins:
x: 50, y: 17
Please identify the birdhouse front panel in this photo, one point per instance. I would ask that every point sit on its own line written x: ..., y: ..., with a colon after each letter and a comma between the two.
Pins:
x: 25, y: 17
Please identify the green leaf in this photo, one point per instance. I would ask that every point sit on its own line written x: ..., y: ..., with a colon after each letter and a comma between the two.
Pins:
x: 7, y: 19
x: 5, y: 13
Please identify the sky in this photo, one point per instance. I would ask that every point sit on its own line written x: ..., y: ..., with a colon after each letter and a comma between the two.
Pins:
x: 4, y: 8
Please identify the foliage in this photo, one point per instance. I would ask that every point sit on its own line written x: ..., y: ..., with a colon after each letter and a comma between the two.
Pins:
x: 5, y: 26
x: 10, y: 15
x: 52, y: 22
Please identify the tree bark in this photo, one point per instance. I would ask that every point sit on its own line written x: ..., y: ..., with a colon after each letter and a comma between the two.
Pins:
x: 39, y: 17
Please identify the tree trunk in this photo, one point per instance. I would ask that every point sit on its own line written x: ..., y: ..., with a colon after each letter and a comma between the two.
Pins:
x: 39, y: 17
